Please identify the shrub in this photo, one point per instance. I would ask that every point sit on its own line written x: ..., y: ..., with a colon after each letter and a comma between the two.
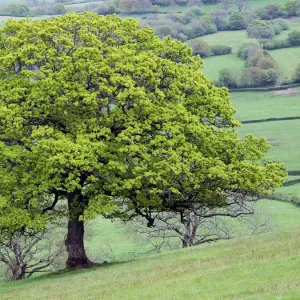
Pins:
x: 18, y: 10
x: 181, y: 2
x: 221, y: 19
x: 292, y: 7
x: 200, y: 47
x: 162, y: 2
x: 270, y: 12
x: 296, y: 75
x: 275, y: 44
x: 249, y: 16
x: 269, y: 76
x: 282, y: 23
x: 255, y: 77
x: 196, y: 10
x: 195, y: 3
x: 208, y: 23
x: 195, y: 30
x: 221, y: 50
x: 226, y: 78
x: 236, y: 21
x: 260, y: 30
x: 247, y: 49
x: 294, y: 38
x: 59, y: 9
x: 106, y: 9
x: 163, y: 31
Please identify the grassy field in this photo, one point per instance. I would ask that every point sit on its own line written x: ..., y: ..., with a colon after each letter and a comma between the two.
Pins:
x: 212, y: 65
x: 261, y: 267
x: 263, y: 105
x: 293, y: 190
x: 284, y: 215
x: 112, y: 241
x: 294, y: 24
x: 284, y: 135
x: 80, y: 6
x: 287, y: 60
x: 229, y: 38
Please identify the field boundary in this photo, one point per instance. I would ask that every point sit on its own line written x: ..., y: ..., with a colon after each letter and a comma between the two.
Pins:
x: 266, y: 89
x: 294, y: 172
x: 270, y: 120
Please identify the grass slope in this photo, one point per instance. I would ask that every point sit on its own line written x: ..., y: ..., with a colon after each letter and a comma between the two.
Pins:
x: 287, y: 59
x: 263, y: 267
x: 284, y: 135
x: 263, y: 105
x: 212, y: 65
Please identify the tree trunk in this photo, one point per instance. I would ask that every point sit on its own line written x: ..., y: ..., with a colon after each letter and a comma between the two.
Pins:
x: 77, y: 258
x: 185, y: 242
x: 17, y: 273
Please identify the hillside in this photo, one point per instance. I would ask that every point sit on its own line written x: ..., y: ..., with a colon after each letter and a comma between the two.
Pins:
x: 263, y: 267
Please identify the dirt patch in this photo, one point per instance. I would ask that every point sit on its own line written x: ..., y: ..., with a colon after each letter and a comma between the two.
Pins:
x: 288, y: 92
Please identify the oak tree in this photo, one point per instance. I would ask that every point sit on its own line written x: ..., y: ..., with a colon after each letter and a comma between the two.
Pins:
x: 99, y: 116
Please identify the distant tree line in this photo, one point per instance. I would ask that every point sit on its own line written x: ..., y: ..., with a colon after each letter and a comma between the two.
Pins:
x: 261, y: 69
x: 34, y: 8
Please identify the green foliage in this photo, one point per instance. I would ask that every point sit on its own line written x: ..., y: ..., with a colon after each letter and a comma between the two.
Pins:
x: 59, y: 9
x: 102, y: 112
x: 208, y: 24
x: 200, y: 47
x: 18, y: 10
x: 247, y: 49
x: 220, y: 49
x: 276, y: 44
x: 227, y: 78
x: 132, y: 6
x: 296, y: 74
x: 294, y: 38
x: 292, y: 7
x: 270, y: 11
x: 236, y: 21
x: 162, y: 2
x: 260, y: 30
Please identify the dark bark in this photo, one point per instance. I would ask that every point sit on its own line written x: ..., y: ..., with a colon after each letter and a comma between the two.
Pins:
x: 77, y: 258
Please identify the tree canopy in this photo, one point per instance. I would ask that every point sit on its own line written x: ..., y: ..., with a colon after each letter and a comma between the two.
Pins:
x: 99, y: 116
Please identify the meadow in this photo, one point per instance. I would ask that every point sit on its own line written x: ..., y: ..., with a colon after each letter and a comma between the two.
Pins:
x: 212, y: 65
x: 260, y: 267
x: 263, y: 105
x: 287, y: 59
x: 283, y: 135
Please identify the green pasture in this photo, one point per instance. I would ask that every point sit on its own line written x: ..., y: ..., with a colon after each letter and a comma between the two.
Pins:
x: 213, y: 64
x: 294, y: 24
x: 287, y: 59
x: 232, y: 39
x: 113, y: 241
x: 80, y: 6
x: 285, y: 137
x: 173, y: 9
x: 264, y: 105
x: 260, y: 267
x: 284, y: 215
x: 291, y: 190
